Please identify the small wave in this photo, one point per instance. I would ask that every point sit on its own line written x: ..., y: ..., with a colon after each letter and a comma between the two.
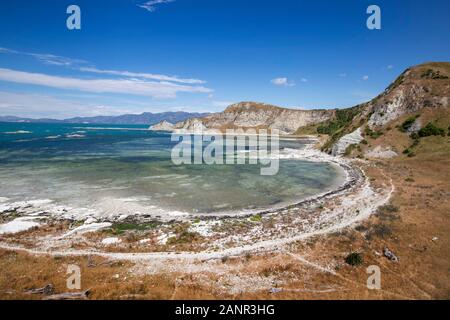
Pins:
x: 75, y: 135
x: 112, y: 128
x: 18, y: 132
x: 53, y: 137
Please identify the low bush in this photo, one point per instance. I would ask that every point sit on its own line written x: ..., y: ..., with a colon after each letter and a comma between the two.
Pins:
x: 343, y: 118
x: 354, y: 259
x: 431, y: 130
x: 373, y: 134
x: 349, y: 149
x: 256, y: 218
x: 408, y: 123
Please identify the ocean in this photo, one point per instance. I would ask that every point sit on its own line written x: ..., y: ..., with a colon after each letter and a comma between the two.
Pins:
x: 122, y: 170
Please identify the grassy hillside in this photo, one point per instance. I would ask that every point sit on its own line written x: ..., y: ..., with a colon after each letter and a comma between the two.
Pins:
x: 422, y: 91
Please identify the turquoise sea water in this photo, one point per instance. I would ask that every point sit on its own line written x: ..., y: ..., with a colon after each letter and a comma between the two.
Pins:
x: 128, y: 168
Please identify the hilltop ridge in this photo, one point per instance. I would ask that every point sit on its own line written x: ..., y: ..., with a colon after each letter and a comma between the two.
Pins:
x: 422, y: 87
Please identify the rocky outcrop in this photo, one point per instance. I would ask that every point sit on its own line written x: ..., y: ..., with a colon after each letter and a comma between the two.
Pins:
x: 258, y: 116
x: 413, y: 90
x: 343, y: 143
x: 415, y: 127
x: 162, y: 126
x: 381, y: 153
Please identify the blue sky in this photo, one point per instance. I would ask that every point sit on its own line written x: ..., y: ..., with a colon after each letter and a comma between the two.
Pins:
x: 132, y: 56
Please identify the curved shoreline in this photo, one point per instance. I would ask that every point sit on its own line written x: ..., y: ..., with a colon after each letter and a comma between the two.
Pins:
x: 365, y: 201
x: 263, y: 246
x: 57, y: 211
x: 353, y: 177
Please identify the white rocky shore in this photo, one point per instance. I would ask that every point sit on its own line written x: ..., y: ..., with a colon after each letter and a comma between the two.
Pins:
x: 351, y: 202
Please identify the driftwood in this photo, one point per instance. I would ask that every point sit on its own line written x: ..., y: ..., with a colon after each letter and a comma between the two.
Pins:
x: 47, y: 290
x: 83, y: 295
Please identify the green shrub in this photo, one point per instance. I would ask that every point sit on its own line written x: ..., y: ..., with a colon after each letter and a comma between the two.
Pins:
x: 409, y: 152
x: 343, y: 118
x: 388, y: 208
x: 349, y: 149
x: 121, y: 228
x: 354, y: 259
x: 183, y: 237
x: 431, y: 74
x: 373, y: 134
x: 256, y: 218
x: 408, y: 123
x: 431, y: 130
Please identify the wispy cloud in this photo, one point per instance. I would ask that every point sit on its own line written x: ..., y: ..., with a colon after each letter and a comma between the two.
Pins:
x: 389, y: 67
x: 365, y: 78
x: 150, y: 76
x: 304, y: 80
x: 80, y: 65
x: 46, y: 58
x: 282, y: 82
x: 40, y: 105
x: 343, y: 75
x: 162, y: 89
x: 151, y: 5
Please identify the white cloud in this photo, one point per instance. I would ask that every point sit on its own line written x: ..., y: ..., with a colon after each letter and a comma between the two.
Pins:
x: 365, y: 78
x: 150, y: 76
x: 46, y: 57
x: 162, y: 89
x: 52, y: 59
x: 43, y: 106
x: 151, y: 5
x: 282, y: 82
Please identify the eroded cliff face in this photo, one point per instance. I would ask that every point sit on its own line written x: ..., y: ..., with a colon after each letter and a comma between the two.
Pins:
x: 258, y: 116
x: 425, y: 85
x: 419, y: 89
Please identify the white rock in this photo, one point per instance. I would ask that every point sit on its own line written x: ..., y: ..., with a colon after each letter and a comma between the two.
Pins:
x: 90, y: 220
x: 379, y: 152
x: 112, y: 240
x: 415, y: 127
x: 88, y: 228
x: 162, y: 239
x: 17, y: 225
x: 352, y: 138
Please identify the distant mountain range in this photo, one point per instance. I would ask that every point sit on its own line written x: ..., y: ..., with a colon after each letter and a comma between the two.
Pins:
x: 146, y: 118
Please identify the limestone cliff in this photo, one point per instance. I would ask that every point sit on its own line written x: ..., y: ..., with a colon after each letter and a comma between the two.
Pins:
x: 162, y: 126
x: 258, y: 116
x: 419, y: 87
x: 425, y: 85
